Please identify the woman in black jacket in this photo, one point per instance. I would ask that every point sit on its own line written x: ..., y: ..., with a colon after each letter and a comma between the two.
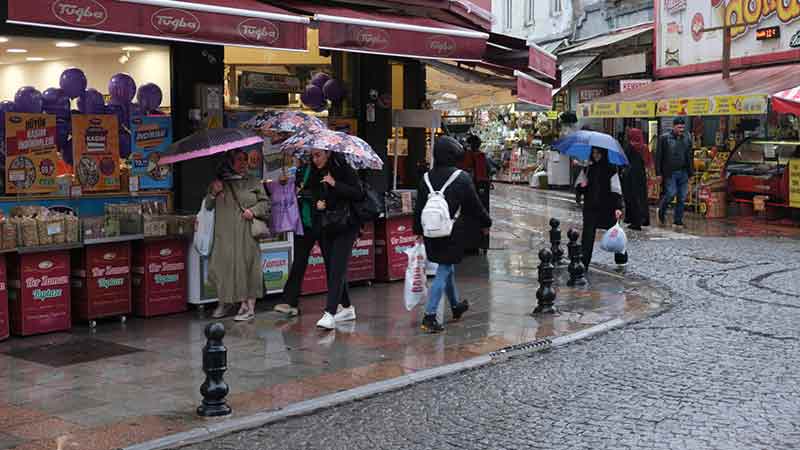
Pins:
x: 462, y: 199
x: 602, y: 207
x: 334, y: 186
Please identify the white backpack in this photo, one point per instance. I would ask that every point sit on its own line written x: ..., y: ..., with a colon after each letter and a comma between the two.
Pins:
x: 436, y: 220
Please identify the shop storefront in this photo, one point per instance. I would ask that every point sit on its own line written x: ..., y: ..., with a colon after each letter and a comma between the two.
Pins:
x: 745, y: 127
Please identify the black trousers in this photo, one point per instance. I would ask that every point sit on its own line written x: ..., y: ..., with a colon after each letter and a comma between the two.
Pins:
x: 336, y: 249
x: 302, y: 250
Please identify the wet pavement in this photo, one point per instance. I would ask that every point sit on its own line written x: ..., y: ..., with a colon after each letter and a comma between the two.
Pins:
x: 717, y: 370
x: 127, y: 383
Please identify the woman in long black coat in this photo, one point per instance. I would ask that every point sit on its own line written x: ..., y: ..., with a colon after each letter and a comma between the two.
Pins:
x: 601, y: 206
x: 634, y: 181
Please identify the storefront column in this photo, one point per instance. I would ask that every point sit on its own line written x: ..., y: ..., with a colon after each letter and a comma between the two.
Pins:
x: 192, y: 65
x: 413, y: 98
x: 374, y: 73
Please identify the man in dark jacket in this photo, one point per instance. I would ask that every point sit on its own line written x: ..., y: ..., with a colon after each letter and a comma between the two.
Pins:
x: 675, y: 164
x: 462, y: 201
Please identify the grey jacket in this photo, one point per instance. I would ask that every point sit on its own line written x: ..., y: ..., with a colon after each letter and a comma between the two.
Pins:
x: 668, y: 143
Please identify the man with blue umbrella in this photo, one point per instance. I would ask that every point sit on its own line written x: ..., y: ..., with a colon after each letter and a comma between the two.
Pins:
x: 675, y: 164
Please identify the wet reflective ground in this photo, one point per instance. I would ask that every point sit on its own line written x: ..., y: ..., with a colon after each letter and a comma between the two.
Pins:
x: 124, y: 384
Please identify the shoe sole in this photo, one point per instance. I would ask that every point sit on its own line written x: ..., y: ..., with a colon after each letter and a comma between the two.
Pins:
x: 430, y: 330
x: 345, y: 319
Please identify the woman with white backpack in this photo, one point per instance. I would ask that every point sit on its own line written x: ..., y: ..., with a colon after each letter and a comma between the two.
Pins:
x: 444, y: 197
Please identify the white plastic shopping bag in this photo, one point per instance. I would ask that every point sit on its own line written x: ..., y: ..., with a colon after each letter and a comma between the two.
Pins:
x: 616, y: 184
x: 204, y: 234
x: 416, y: 283
x: 614, y: 240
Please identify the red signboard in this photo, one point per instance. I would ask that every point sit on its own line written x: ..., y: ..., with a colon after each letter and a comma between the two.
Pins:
x: 248, y: 23
x: 362, y: 260
x: 393, y: 237
x: 102, y: 281
x: 395, y: 35
x: 39, y: 294
x: 542, y: 62
x: 159, y: 277
x: 4, y: 319
x: 533, y: 91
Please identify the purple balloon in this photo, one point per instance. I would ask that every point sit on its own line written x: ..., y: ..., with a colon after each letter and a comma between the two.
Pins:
x: 333, y: 90
x: 91, y: 102
x: 149, y: 97
x: 122, y: 88
x: 313, y: 97
x: 320, y: 79
x: 55, y: 101
x: 7, y: 106
x: 73, y: 82
x: 28, y: 100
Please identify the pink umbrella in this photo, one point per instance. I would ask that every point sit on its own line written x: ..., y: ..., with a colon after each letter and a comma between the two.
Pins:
x: 209, y: 142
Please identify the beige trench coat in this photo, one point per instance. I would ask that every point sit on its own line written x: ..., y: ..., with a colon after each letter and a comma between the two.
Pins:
x: 234, y: 265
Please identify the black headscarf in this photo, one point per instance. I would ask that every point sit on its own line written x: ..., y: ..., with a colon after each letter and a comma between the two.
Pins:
x: 447, y: 152
x: 226, y: 169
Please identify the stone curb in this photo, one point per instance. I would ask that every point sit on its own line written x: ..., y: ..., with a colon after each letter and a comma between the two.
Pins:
x: 306, y: 407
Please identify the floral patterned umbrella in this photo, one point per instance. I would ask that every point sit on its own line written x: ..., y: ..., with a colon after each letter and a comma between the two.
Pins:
x: 356, y: 152
x: 291, y: 122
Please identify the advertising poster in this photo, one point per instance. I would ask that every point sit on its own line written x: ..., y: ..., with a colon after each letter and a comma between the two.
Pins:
x: 95, y: 149
x: 794, y: 183
x: 151, y: 136
x: 275, y: 268
x: 31, y: 153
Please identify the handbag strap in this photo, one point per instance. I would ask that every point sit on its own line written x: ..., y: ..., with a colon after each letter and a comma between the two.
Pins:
x: 235, y: 197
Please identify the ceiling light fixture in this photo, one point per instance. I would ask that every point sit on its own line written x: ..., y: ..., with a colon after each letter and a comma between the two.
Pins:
x: 17, y: 50
x: 3, y: 40
x: 34, y: 58
x: 124, y: 58
x: 132, y: 49
x: 66, y: 44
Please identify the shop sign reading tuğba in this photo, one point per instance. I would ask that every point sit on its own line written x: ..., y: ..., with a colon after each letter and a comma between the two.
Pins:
x: 259, y: 31
x: 175, y: 21
x: 80, y: 12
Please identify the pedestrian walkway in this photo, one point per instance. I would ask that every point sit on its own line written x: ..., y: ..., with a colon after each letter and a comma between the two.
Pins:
x: 127, y: 383
x: 123, y: 384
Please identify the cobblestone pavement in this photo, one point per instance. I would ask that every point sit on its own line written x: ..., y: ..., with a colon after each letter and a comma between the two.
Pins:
x: 717, y: 371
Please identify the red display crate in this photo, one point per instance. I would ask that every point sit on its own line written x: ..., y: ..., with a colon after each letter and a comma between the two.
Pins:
x: 159, y: 277
x: 39, y: 294
x: 101, y: 283
x: 5, y: 327
x: 393, y: 236
x: 362, y: 260
x: 315, y: 280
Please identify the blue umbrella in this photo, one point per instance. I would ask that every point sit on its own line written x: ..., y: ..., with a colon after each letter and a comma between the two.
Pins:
x: 579, y: 145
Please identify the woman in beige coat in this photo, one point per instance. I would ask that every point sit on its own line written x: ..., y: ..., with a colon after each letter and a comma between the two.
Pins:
x: 235, y: 260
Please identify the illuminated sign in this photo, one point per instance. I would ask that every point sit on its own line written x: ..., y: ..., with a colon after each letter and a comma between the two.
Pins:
x: 763, y: 34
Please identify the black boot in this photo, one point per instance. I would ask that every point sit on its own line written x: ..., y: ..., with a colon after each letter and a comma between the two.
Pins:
x: 431, y: 325
x: 460, y: 309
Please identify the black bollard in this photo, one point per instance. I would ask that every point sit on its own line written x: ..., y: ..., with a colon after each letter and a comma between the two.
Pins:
x: 545, y: 294
x: 555, y: 243
x: 215, y: 363
x: 575, y: 269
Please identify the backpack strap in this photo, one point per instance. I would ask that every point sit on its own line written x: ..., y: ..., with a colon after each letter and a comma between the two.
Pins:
x: 428, y: 182
x: 450, y: 180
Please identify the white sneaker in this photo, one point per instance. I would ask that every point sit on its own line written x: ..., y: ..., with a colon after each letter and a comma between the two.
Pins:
x: 327, y: 321
x: 345, y: 314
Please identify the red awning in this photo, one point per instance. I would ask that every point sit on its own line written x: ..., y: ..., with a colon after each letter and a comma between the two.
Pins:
x: 761, y: 81
x: 532, y: 91
x: 542, y: 61
x: 787, y: 101
x: 247, y: 23
x: 349, y: 30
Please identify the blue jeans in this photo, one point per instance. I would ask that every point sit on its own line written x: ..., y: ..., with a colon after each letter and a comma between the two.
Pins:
x: 676, y: 184
x: 443, y: 282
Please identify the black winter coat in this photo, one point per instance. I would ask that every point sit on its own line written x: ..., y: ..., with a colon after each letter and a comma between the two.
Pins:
x: 460, y: 194
x: 634, y: 186
x: 347, y: 189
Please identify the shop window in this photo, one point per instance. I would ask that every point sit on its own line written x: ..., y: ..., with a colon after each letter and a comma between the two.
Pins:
x: 508, y: 17
x: 555, y: 7
x: 530, y: 13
